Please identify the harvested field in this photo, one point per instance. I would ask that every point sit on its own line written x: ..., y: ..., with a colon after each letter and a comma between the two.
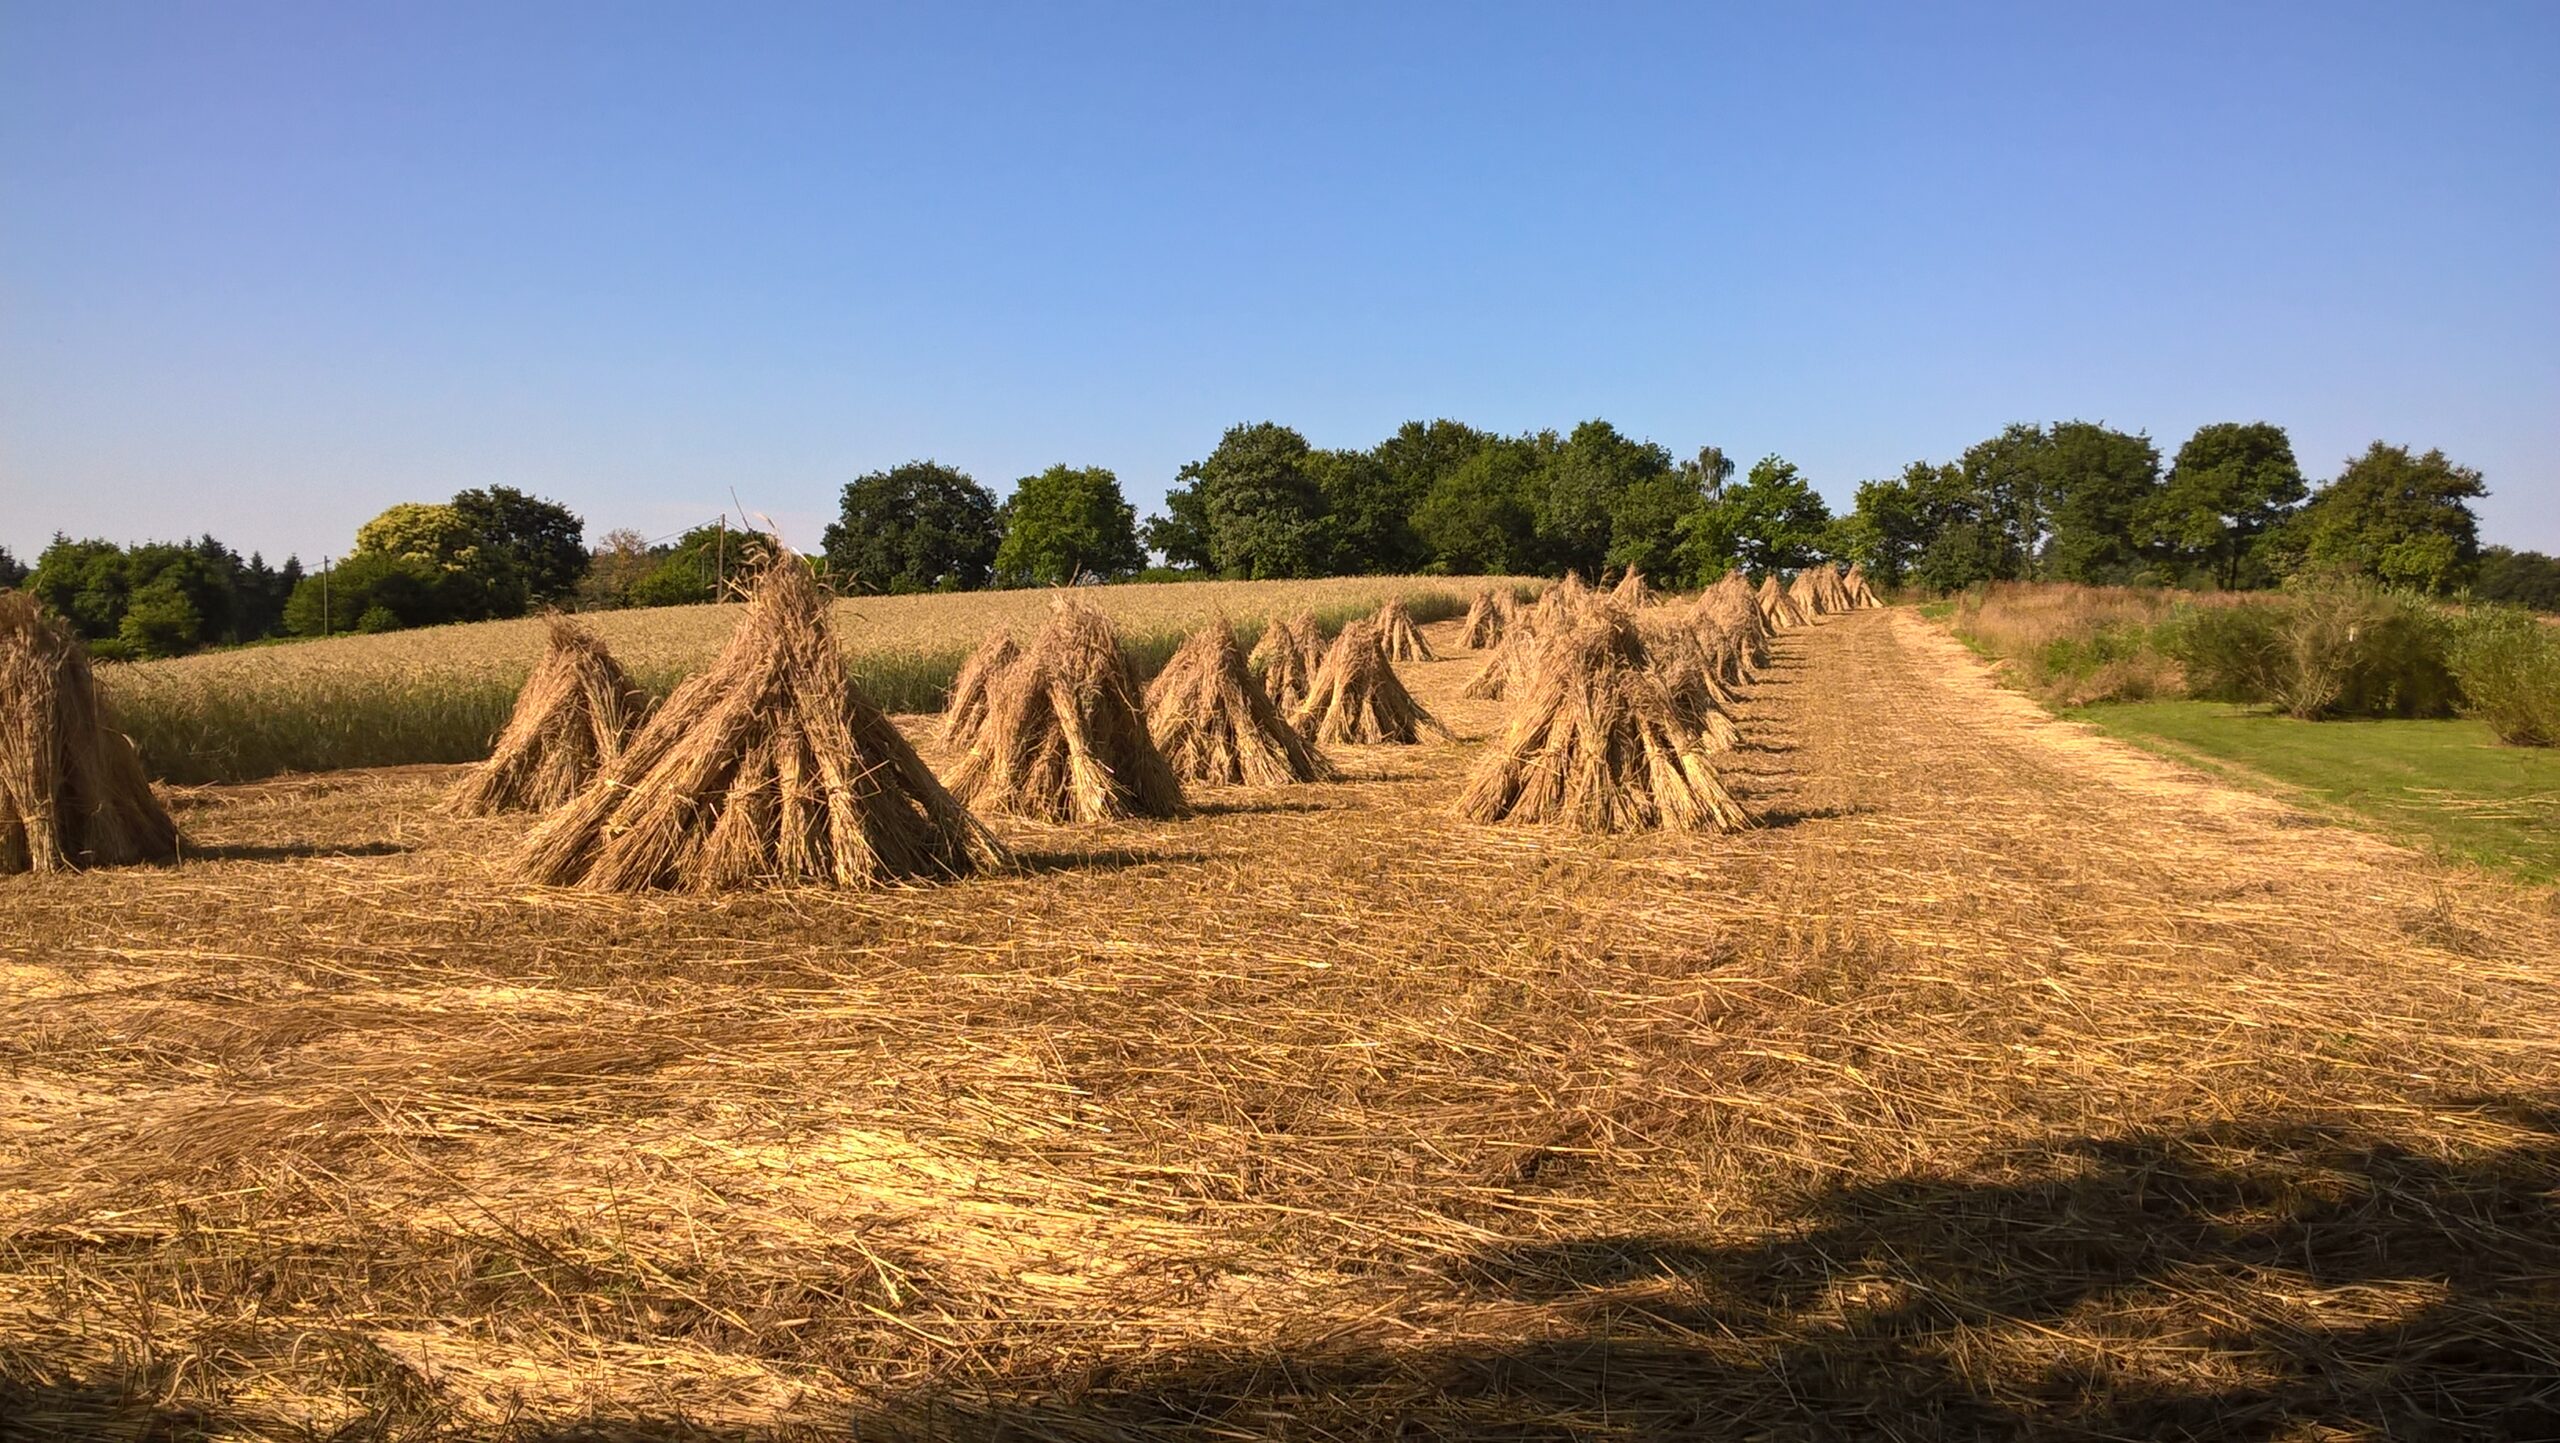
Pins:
x: 2006, y: 1081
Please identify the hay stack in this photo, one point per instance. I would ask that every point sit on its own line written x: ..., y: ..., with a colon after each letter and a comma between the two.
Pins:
x: 1728, y: 627
x: 1065, y: 738
x: 769, y: 768
x: 1631, y: 592
x: 1355, y: 697
x: 1688, y: 677
x: 1282, y: 656
x: 1509, y: 658
x: 571, y: 721
x: 72, y: 791
x: 1486, y: 617
x: 1215, y: 725
x: 1806, y: 596
x: 1595, y: 743
x: 1777, y: 611
x: 1861, y: 595
x: 1397, y: 633
x: 967, y: 709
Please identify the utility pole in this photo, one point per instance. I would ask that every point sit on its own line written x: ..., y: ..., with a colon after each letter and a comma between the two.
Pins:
x: 324, y: 595
x: 720, y: 563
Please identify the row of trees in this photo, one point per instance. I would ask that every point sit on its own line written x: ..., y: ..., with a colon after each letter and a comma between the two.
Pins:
x: 2073, y: 501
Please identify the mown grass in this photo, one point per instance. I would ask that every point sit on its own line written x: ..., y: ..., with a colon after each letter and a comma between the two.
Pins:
x: 2444, y: 784
x: 441, y: 693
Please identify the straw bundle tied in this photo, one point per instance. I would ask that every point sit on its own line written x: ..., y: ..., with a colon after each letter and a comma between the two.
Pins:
x: 1801, y: 591
x: 1486, y: 616
x: 768, y: 768
x: 1065, y: 737
x: 1631, y: 592
x: 1861, y: 594
x: 1729, y: 627
x: 571, y: 721
x: 72, y: 790
x: 1214, y: 723
x: 1397, y: 633
x: 1282, y: 656
x: 1689, y: 679
x: 1356, y: 698
x: 1777, y: 612
x: 1595, y: 743
x: 967, y: 709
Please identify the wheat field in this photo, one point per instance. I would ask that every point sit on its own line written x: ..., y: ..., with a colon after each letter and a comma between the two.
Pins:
x: 439, y: 694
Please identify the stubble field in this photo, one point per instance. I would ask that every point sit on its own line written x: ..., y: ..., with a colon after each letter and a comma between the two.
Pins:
x: 2006, y: 1082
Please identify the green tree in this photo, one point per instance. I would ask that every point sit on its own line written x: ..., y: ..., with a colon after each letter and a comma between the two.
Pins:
x: 424, y: 530
x: 1644, y: 525
x: 918, y: 527
x: 1773, y: 521
x: 1368, y: 513
x: 13, y: 572
x: 2518, y: 578
x: 2404, y: 520
x: 1264, y: 509
x: 406, y: 588
x: 1181, y: 534
x: 2231, y: 483
x: 543, y: 541
x: 1421, y: 452
x: 2096, y: 483
x: 1478, y: 517
x: 703, y: 565
x: 2004, y: 480
x: 1585, y: 480
x: 86, y: 583
x: 161, y: 619
x: 1065, y: 523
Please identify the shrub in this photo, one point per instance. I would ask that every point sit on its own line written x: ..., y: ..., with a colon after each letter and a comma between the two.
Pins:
x: 2509, y: 666
x: 2329, y: 649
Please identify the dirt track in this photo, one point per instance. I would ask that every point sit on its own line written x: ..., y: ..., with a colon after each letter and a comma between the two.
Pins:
x: 2007, y: 1081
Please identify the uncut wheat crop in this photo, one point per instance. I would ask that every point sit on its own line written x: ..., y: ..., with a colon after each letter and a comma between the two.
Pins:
x: 439, y: 693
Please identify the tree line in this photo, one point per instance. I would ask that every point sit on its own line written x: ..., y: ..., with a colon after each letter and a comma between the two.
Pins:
x: 2071, y: 501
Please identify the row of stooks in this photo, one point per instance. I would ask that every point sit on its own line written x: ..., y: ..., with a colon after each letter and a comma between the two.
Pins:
x: 771, y: 767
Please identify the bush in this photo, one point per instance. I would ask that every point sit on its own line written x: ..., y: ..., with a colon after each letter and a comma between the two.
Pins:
x: 2509, y: 666
x: 2335, y: 648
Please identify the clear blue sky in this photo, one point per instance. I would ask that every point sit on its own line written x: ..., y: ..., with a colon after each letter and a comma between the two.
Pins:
x: 265, y: 268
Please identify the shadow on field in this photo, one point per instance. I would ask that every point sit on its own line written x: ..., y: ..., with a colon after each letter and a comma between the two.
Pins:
x: 2262, y: 1282
x: 295, y: 851
x: 1100, y: 859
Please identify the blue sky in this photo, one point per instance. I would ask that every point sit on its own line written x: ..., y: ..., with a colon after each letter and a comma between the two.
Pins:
x: 265, y: 268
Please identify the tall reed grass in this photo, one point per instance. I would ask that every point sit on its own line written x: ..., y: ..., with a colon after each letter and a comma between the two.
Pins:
x: 441, y: 693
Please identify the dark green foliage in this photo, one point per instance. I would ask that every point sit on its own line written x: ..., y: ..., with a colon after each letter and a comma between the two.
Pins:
x: 1772, y: 521
x: 2231, y: 484
x: 1181, y: 534
x: 1584, y: 491
x: 1264, y: 508
x: 2094, y: 482
x: 542, y: 541
x: 918, y: 527
x: 13, y: 572
x: 395, y: 590
x: 1476, y: 520
x: 703, y: 565
x: 2518, y: 578
x: 2508, y: 663
x: 1927, y: 514
x: 2400, y: 519
x: 1066, y: 523
x: 1368, y: 509
x: 2005, y: 508
x: 161, y: 598
x: 2337, y: 646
